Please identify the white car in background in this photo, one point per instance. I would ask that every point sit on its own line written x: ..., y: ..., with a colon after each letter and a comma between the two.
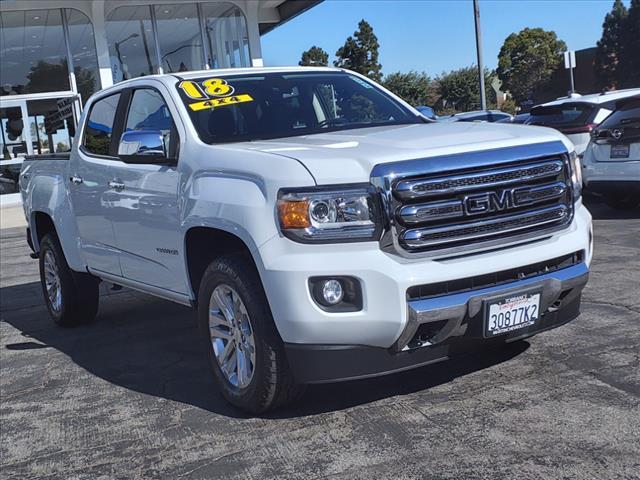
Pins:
x: 576, y: 116
x: 612, y: 160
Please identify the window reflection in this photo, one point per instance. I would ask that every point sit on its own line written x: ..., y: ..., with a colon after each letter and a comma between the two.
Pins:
x: 226, y: 35
x: 179, y: 37
x: 97, y: 134
x: 131, y: 44
x: 32, y: 52
x: 83, y: 53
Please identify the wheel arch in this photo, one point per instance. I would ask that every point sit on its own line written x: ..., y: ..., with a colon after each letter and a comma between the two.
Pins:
x: 203, y: 244
x: 41, y: 224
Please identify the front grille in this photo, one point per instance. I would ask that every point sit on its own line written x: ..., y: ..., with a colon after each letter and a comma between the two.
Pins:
x: 480, y: 205
x: 422, y: 292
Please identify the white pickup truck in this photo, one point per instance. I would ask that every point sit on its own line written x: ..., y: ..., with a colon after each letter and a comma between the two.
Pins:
x: 323, y: 229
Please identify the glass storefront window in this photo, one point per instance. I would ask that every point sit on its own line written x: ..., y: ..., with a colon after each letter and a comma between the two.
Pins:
x: 179, y: 37
x: 13, y: 146
x: 83, y: 53
x: 49, y: 135
x: 33, y: 52
x: 131, y: 45
x: 226, y: 35
x: 12, y: 135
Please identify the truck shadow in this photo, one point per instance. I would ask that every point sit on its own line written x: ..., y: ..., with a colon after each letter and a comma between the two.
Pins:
x: 152, y: 346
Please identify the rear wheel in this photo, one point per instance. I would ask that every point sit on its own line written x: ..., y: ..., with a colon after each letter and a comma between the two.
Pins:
x: 71, y: 297
x: 244, y: 348
x: 623, y: 202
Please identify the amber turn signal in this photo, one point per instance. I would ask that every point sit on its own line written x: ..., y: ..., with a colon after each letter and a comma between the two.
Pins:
x: 294, y: 214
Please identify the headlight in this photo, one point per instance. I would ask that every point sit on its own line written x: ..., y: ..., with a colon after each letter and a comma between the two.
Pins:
x: 576, y: 175
x: 329, y: 214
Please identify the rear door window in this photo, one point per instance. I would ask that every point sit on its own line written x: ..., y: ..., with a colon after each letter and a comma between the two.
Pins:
x: 99, y: 128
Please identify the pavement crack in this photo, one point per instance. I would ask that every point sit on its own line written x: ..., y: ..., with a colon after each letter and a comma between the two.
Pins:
x: 631, y: 308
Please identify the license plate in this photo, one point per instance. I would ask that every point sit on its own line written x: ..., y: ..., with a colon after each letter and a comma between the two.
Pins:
x: 620, y: 151
x: 511, y: 313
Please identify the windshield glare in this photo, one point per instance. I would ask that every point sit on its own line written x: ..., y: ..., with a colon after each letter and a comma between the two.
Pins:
x: 276, y: 105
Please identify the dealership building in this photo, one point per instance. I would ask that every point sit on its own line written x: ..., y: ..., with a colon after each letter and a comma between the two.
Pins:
x: 55, y: 53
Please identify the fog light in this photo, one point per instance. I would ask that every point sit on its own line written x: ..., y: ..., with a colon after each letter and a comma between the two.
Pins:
x: 336, y: 294
x: 332, y: 292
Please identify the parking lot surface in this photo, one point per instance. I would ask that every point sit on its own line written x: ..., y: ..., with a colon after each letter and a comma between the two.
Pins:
x: 130, y: 396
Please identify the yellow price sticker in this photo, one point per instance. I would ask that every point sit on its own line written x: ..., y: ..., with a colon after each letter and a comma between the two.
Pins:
x: 220, y: 102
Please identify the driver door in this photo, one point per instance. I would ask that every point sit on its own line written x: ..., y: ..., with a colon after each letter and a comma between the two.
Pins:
x: 145, y: 210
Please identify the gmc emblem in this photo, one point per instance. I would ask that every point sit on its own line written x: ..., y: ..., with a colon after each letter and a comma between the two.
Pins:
x: 489, y: 202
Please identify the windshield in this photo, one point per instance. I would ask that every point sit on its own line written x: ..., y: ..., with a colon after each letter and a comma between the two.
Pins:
x: 565, y: 115
x: 277, y: 105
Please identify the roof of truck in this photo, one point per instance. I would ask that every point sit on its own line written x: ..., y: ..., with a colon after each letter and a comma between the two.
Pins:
x: 254, y: 70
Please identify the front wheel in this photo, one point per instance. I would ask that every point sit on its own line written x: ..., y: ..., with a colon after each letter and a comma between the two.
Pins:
x: 71, y: 297
x: 244, y: 348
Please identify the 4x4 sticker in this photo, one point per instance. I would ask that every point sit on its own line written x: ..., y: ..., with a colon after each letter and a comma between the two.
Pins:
x: 212, y: 93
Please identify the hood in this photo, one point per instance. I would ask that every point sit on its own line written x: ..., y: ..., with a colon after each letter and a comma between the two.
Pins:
x: 349, y: 156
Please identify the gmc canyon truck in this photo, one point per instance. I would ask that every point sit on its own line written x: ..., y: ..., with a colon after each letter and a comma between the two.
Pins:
x: 322, y: 227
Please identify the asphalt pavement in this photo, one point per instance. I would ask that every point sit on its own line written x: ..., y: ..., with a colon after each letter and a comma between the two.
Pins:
x: 130, y: 395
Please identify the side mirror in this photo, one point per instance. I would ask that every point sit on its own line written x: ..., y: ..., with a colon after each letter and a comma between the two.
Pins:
x: 428, y: 112
x: 143, y: 146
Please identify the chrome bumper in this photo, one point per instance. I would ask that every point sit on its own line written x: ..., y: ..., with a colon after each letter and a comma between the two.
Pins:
x: 562, y: 285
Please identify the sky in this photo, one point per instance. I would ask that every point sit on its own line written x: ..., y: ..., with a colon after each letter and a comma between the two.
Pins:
x: 433, y: 35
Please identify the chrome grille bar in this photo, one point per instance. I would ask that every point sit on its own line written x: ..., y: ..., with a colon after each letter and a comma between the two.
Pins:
x: 424, y: 212
x: 413, y: 189
x: 427, y: 237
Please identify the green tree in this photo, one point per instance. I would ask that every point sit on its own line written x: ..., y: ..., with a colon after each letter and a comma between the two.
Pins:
x: 314, y: 57
x: 630, y: 52
x: 460, y: 90
x: 527, y: 60
x: 608, y: 55
x: 360, y: 53
x: 415, y: 88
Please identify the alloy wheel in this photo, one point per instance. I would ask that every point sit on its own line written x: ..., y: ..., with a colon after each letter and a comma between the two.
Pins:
x: 232, y: 336
x: 52, y: 281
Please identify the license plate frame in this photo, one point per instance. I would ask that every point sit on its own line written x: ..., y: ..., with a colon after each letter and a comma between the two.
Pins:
x: 620, y: 150
x: 525, y: 318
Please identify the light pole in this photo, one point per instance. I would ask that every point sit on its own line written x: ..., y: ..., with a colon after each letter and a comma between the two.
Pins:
x: 476, y: 15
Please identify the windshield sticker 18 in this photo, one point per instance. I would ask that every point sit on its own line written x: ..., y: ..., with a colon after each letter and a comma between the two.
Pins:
x: 213, y: 92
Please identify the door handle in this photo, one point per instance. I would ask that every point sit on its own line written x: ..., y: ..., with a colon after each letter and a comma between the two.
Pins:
x: 75, y: 180
x: 115, y: 185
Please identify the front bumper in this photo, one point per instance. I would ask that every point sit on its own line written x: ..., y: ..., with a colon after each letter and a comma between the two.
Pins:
x: 330, y: 363
x: 285, y: 268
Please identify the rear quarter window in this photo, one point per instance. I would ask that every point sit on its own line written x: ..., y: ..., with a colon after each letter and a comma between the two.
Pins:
x: 99, y: 128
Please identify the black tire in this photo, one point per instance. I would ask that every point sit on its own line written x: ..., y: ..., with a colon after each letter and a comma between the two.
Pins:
x: 623, y: 202
x: 79, y: 295
x: 272, y: 384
